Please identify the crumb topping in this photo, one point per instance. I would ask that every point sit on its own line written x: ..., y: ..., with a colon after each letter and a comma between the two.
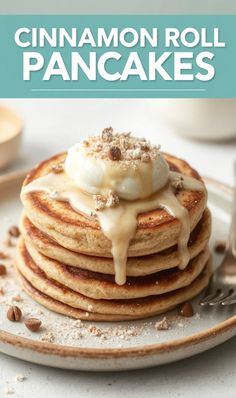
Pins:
x: 163, y: 324
x: 102, y: 202
x: 57, y: 168
x: 120, y: 147
x: 177, y: 182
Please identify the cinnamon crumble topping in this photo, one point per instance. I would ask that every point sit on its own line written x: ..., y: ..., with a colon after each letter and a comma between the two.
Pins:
x: 57, y: 168
x: 121, y: 147
x: 102, y: 202
x: 163, y: 324
x: 178, y: 182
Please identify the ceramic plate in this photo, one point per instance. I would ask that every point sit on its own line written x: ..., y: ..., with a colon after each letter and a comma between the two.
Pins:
x: 66, y: 343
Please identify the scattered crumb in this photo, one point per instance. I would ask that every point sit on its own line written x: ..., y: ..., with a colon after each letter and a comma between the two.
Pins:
x: 76, y: 334
x: 3, y: 255
x: 8, y: 242
x: 9, y: 391
x: 220, y: 246
x: 14, y: 231
x: 95, y: 331
x: 78, y: 323
x: 17, y: 298
x: 20, y: 378
x: 48, y: 337
x: 163, y: 324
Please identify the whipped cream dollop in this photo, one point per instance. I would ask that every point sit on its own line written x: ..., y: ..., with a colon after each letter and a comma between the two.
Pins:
x: 127, y: 165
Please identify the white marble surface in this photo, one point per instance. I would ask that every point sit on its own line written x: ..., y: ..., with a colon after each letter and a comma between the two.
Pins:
x: 53, y: 125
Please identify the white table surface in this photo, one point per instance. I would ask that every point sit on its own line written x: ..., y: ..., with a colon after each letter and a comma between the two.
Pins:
x: 53, y: 125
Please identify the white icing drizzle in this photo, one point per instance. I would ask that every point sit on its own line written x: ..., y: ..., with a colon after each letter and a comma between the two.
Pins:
x: 119, y: 223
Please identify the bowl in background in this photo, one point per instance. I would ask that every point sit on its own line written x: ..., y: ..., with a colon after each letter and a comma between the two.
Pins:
x: 210, y: 119
x: 11, y: 126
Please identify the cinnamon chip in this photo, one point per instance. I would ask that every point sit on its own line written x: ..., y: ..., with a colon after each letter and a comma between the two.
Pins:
x: 14, y: 231
x: 186, y: 310
x: 3, y: 270
x: 220, y: 247
x: 114, y: 153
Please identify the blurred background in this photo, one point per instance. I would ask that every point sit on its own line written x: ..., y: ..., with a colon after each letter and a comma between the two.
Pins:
x: 200, y: 131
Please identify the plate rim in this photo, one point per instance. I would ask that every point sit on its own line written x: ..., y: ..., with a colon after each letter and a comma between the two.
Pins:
x: 106, y: 353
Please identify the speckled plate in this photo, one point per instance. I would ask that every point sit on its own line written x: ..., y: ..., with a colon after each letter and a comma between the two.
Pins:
x: 65, y: 343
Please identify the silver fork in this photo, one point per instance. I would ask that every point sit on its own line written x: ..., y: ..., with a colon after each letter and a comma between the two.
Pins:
x: 222, y: 288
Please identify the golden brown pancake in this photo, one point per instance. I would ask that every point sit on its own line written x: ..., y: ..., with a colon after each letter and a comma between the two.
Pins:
x: 64, y: 301
x: 103, y: 286
x: 156, y: 230
x: 136, y: 266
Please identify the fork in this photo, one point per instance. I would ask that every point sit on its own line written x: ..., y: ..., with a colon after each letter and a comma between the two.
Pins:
x: 222, y: 287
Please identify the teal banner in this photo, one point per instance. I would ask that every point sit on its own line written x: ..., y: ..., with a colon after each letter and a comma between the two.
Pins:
x: 117, y: 56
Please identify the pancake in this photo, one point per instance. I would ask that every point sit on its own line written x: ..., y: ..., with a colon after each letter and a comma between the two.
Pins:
x: 136, y: 266
x: 156, y: 230
x: 103, y: 286
x: 135, y: 309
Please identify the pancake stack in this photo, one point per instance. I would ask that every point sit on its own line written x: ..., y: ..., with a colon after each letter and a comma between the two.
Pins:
x: 64, y: 260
